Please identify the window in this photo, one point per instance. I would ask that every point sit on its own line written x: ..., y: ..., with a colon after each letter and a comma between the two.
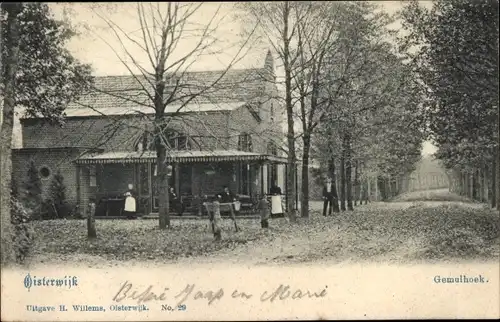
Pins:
x: 179, y: 142
x: 145, y: 142
x: 44, y: 172
x: 174, y: 140
x: 92, y: 176
x: 245, y: 142
x: 143, y: 179
x: 272, y: 149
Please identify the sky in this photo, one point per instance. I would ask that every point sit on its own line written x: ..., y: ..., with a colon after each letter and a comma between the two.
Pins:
x: 97, y: 43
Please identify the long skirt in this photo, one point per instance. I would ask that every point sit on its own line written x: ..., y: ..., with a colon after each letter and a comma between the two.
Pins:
x: 276, y: 206
x: 129, y: 214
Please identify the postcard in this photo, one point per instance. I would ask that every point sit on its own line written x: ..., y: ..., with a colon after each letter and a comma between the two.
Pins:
x: 250, y: 161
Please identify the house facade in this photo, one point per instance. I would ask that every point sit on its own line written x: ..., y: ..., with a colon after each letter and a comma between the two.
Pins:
x: 229, y: 134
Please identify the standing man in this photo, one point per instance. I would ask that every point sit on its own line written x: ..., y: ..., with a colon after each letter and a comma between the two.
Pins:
x: 226, y: 195
x: 175, y: 202
x: 328, y: 196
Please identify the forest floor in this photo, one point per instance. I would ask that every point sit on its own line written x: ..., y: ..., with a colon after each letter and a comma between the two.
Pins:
x: 421, y: 227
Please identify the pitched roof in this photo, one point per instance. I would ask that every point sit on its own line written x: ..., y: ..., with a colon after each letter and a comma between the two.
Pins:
x: 134, y: 92
x: 141, y: 110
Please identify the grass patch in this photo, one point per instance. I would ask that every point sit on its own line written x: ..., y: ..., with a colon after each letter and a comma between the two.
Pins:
x: 141, y: 239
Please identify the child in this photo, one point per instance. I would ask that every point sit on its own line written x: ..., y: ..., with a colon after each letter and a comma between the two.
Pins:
x: 264, y: 212
x: 129, y: 205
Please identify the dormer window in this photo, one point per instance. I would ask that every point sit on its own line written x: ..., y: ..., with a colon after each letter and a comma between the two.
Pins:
x: 179, y: 142
x: 271, y: 148
x: 245, y: 142
x: 145, y: 143
x: 175, y: 141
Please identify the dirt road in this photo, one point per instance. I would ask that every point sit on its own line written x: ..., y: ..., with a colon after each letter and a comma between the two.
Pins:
x: 421, y: 230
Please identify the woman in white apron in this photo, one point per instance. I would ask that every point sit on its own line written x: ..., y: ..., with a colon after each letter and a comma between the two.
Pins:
x: 130, y: 208
x: 276, y: 206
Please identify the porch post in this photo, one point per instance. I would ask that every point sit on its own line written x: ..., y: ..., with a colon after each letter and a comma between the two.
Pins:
x: 262, y: 179
x: 287, y: 193
x: 150, y: 189
x: 177, y: 183
x: 296, y: 188
x: 238, y: 177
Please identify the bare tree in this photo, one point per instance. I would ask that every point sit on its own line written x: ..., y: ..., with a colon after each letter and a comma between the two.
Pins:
x: 279, y: 24
x: 164, y: 80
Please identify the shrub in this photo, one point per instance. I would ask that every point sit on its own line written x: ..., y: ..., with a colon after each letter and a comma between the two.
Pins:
x: 23, y: 233
x: 14, y: 189
x: 55, y: 206
x: 33, y: 191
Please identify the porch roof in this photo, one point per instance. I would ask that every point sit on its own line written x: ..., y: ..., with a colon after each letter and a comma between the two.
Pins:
x: 177, y: 157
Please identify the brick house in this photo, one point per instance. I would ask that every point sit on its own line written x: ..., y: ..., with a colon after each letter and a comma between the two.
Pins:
x: 231, y: 135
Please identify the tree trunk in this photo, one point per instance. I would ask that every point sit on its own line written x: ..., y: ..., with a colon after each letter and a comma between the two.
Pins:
x: 348, y: 169
x: 382, y: 188
x: 291, y: 193
x: 305, y: 176
x: 162, y: 183
x: 10, y: 60
x: 388, y: 188
x: 464, y: 184
x: 91, y: 231
x: 475, y: 187
x: 342, y: 181
x: 480, y: 185
x: 470, y: 176
x: 368, y: 190
x: 331, y: 168
x: 493, y: 191
x: 356, y: 183
x: 497, y: 185
x: 348, y: 179
x: 486, y: 186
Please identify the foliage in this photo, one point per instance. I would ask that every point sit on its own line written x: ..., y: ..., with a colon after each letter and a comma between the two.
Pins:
x: 456, y: 56
x: 48, y: 76
x: 40, y: 75
x: 32, y: 196
x: 14, y: 189
x: 377, y: 107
